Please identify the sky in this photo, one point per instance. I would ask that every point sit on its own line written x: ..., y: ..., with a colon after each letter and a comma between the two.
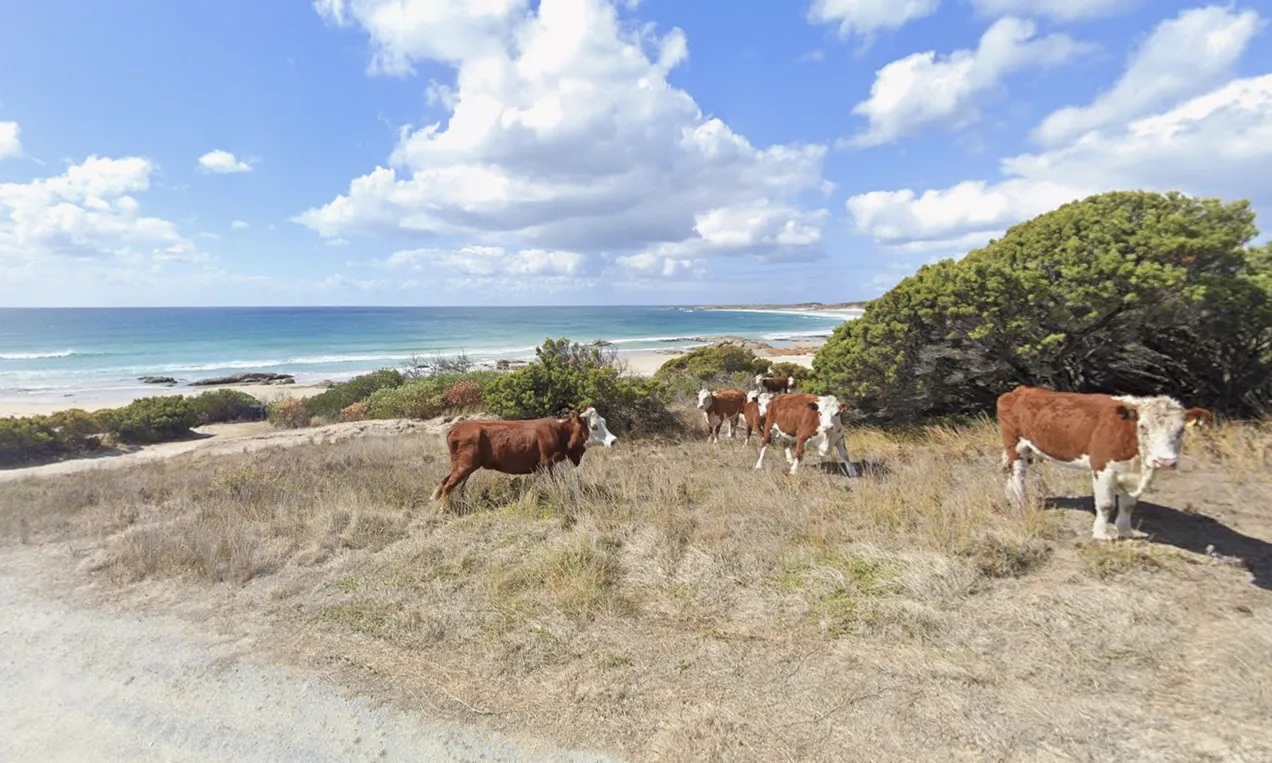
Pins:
x: 590, y: 152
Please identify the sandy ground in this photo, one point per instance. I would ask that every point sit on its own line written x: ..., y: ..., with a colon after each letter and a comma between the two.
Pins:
x: 221, y: 439
x: 89, y: 684
x: 99, y: 400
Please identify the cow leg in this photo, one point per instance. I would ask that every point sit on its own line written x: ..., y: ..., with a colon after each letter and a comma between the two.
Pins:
x: 799, y: 454
x: 759, y: 462
x: 454, y: 481
x: 789, y: 458
x: 1105, y: 489
x: 733, y: 425
x: 1018, y: 470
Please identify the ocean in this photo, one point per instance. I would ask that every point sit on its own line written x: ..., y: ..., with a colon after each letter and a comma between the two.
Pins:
x: 50, y: 352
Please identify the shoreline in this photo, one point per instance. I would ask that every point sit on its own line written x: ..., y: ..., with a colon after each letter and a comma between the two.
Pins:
x: 645, y: 362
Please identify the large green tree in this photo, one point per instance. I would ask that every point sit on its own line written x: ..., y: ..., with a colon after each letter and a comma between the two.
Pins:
x: 1126, y: 292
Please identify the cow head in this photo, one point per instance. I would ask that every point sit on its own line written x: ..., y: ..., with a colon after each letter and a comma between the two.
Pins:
x: 763, y: 399
x: 752, y: 396
x: 759, y: 379
x: 704, y: 399
x: 830, y: 421
x: 1159, y: 427
x: 597, y: 434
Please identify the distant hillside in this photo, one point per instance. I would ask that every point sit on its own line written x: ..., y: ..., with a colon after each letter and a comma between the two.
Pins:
x: 796, y: 306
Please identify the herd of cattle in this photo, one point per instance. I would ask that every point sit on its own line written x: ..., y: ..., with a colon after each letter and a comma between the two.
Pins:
x: 1122, y: 440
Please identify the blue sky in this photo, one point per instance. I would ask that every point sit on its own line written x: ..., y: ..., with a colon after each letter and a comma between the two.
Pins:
x: 434, y: 152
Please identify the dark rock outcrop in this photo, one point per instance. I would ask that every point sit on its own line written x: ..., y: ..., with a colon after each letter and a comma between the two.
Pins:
x: 250, y: 377
x: 157, y: 380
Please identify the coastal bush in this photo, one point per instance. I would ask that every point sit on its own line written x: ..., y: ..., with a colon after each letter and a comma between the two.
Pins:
x: 568, y: 376
x: 354, y: 412
x: 462, y: 394
x: 149, y: 419
x: 1123, y: 292
x: 786, y: 368
x: 330, y: 403
x: 713, y: 362
x: 34, y: 438
x: 288, y: 413
x: 414, y: 400
x: 224, y: 406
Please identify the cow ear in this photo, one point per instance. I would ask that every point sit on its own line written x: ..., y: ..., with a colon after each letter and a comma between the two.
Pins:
x: 1195, y: 416
x: 812, y: 406
x: 1127, y: 413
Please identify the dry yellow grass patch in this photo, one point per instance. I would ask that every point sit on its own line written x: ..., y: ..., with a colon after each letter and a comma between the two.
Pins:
x: 668, y: 602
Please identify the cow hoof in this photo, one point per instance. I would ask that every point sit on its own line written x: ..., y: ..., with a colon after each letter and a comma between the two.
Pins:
x: 1104, y: 533
x: 1132, y: 535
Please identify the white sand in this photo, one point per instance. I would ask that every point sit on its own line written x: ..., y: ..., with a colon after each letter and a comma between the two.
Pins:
x: 95, y: 401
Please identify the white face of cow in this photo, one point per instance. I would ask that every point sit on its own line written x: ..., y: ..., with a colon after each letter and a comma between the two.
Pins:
x: 828, y: 410
x: 1159, y: 427
x: 704, y: 399
x: 763, y: 399
x: 752, y: 396
x: 597, y: 434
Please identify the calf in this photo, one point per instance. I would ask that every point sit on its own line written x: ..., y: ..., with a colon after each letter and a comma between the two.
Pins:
x: 720, y: 407
x: 753, y: 411
x: 798, y: 418
x: 519, y: 447
x: 1123, y: 440
x: 775, y: 384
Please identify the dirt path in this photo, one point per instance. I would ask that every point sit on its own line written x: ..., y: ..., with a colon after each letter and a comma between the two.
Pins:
x: 221, y: 439
x: 83, y: 684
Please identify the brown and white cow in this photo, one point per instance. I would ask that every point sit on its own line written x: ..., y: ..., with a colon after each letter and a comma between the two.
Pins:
x: 519, y: 447
x: 798, y: 418
x: 719, y: 407
x: 1122, y: 440
x: 775, y: 384
x: 753, y: 411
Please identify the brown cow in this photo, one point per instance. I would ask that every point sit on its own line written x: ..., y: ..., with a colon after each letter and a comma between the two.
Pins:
x: 519, y: 447
x: 775, y: 384
x: 720, y: 407
x: 798, y: 418
x: 1123, y: 440
x: 753, y: 411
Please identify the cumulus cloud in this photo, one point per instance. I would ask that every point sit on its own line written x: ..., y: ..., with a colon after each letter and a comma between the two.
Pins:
x: 1184, y: 56
x: 88, y: 211
x: 493, y: 261
x: 868, y: 17
x: 238, y: 224
x: 564, y: 136
x: 923, y: 89
x: 9, y: 143
x: 1218, y: 143
x: 1059, y: 10
x: 220, y: 162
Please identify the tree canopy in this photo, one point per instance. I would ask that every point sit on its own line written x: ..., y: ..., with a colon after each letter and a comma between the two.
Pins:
x: 1127, y: 292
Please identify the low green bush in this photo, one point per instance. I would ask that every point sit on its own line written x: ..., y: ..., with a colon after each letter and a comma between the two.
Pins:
x: 330, y: 403
x: 786, y: 368
x: 568, y: 376
x: 416, y: 400
x: 288, y: 413
x: 224, y: 406
x: 28, y: 439
x: 712, y: 362
x: 149, y: 419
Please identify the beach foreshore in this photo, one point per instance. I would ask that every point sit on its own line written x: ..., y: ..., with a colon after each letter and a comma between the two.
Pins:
x: 638, y: 362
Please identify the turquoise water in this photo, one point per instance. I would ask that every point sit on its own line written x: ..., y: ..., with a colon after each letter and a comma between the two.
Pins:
x: 50, y: 352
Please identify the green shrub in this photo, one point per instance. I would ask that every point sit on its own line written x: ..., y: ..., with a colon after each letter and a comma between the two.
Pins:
x: 567, y: 376
x: 415, y: 400
x: 27, y: 439
x: 1123, y: 292
x: 288, y: 413
x: 149, y: 419
x: 712, y: 362
x: 354, y: 412
x: 786, y: 368
x: 330, y: 403
x: 225, y: 405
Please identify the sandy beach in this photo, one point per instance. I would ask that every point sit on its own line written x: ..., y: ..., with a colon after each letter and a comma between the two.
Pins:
x: 642, y: 363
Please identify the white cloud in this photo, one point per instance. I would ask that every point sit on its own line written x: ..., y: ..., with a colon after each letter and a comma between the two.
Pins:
x: 220, y: 162
x: 1059, y: 10
x: 565, y: 136
x: 88, y: 212
x: 1185, y: 56
x: 867, y: 17
x: 922, y: 89
x: 1219, y: 143
x: 237, y: 225
x: 9, y: 143
x: 494, y: 261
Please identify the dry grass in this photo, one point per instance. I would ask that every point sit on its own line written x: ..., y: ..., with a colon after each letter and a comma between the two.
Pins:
x: 668, y: 602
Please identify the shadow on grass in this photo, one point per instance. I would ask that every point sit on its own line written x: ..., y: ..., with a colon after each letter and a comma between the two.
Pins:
x: 1191, y: 532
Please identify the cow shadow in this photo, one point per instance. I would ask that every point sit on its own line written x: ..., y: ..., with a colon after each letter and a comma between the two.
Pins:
x: 853, y: 468
x: 1197, y: 533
